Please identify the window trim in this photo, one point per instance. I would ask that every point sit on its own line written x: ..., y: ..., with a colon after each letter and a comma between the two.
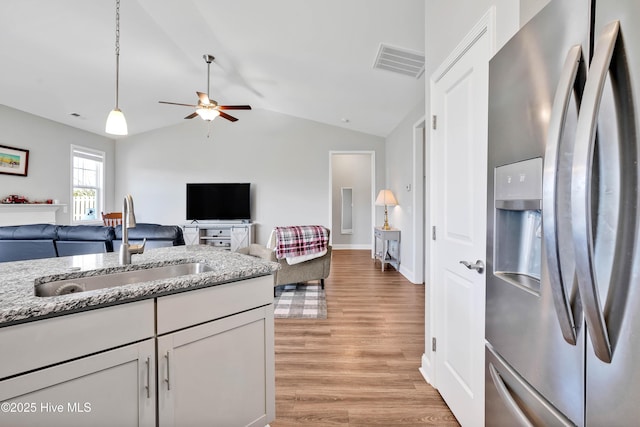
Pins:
x: 90, y: 154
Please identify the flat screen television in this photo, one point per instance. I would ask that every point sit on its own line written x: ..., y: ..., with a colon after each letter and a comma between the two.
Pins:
x: 218, y: 201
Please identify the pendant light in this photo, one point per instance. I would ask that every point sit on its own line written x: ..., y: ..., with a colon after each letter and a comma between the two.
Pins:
x: 116, y: 123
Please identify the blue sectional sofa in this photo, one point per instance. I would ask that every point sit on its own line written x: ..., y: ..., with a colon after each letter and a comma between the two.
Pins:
x: 157, y: 236
x: 28, y: 242
x: 33, y: 241
x: 84, y: 239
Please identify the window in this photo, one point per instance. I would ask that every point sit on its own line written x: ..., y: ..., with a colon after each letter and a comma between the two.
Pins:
x: 87, y: 186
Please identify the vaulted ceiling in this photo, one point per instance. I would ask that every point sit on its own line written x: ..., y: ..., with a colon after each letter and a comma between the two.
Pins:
x: 307, y: 58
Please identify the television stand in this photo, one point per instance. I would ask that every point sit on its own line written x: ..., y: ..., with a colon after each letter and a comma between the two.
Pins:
x: 229, y: 236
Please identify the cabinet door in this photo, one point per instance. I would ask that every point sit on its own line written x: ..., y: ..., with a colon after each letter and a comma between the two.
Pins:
x: 239, y: 238
x: 191, y: 235
x: 220, y: 373
x: 113, y: 388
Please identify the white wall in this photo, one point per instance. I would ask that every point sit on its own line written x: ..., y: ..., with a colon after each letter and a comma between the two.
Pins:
x: 284, y: 158
x: 529, y: 8
x: 447, y: 22
x: 400, y: 173
x: 49, y: 144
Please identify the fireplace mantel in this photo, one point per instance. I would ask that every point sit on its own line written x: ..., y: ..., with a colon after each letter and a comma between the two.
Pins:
x: 28, y: 213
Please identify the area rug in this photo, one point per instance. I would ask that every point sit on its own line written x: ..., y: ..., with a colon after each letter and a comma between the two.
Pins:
x: 300, y: 301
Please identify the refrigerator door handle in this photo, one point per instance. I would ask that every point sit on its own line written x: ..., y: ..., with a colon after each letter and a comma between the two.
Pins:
x: 503, y: 391
x: 552, y: 193
x: 581, y: 218
x: 525, y: 403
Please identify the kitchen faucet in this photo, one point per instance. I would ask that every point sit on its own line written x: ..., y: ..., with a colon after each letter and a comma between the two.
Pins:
x: 128, y: 221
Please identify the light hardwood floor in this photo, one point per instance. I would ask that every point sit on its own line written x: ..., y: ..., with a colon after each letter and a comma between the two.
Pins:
x: 359, y: 367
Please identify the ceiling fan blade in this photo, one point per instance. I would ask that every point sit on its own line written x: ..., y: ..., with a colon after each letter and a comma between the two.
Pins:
x: 191, y: 116
x: 177, y: 103
x: 204, y: 98
x: 234, y: 107
x: 228, y: 117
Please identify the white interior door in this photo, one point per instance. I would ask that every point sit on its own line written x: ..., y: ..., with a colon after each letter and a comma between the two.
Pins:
x: 459, y: 188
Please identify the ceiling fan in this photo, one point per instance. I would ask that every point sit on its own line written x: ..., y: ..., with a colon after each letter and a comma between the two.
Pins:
x: 207, y: 108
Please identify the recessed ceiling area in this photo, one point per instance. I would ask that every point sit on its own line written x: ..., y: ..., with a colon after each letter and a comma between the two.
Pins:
x: 309, y: 59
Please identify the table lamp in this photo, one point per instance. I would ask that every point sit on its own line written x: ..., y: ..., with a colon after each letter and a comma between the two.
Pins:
x: 386, y: 198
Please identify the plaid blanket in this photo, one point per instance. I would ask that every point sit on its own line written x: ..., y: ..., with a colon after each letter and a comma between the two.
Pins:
x: 300, y: 240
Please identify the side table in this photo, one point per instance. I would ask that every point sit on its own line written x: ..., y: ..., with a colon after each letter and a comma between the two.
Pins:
x: 381, y: 238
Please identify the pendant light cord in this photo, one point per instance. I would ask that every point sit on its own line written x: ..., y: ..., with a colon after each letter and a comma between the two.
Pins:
x: 117, y: 50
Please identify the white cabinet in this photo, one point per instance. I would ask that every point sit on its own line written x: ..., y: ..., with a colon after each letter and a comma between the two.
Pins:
x: 215, y: 374
x: 226, y: 236
x: 202, y: 357
x: 112, y: 388
x: 50, y: 381
x: 220, y: 372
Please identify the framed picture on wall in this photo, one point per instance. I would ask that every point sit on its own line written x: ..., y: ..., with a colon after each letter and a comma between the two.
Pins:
x: 13, y: 161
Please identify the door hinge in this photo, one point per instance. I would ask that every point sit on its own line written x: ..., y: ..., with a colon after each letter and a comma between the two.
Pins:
x: 434, y: 122
x: 433, y: 344
x: 433, y: 233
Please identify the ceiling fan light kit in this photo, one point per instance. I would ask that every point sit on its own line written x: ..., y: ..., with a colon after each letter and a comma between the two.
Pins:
x: 116, y: 123
x: 207, y: 108
x: 207, y: 114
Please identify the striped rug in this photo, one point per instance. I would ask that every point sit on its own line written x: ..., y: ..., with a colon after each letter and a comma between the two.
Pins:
x: 300, y: 301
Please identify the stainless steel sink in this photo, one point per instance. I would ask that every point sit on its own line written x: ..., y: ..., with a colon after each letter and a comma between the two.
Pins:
x: 90, y: 283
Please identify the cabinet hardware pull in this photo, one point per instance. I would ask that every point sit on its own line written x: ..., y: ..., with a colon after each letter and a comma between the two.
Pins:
x: 167, y: 380
x: 148, y: 386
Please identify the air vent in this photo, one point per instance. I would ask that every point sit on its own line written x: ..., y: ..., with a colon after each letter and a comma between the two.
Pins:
x: 400, y: 60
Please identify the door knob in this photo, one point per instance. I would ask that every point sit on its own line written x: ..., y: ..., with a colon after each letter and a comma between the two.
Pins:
x: 478, y: 266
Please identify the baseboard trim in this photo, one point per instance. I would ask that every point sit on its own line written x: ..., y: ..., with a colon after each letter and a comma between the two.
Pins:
x: 339, y: 247
x: 409, y: 275
x: 426, y: 370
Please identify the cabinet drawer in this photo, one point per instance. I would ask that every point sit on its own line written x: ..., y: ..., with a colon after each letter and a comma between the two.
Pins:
x: 219, y: 243
x: 191, y: 308
x: 44, y: 342
x: 104, y: 389
x: 217, y: 232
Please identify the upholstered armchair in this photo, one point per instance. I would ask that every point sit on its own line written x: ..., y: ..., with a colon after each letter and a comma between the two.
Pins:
x: 313, y: 269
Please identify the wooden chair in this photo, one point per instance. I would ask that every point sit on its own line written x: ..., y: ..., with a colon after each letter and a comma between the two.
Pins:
x: 112, y: 218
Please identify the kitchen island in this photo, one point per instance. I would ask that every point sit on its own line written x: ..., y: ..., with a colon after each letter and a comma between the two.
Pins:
x: 195, y: 349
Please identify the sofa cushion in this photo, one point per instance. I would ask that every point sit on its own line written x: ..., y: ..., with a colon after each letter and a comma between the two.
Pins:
x: 171, y: 233
x: 19, y: 250
x: 98, y: 233
x: 29, y: 232
x: 83, y: 247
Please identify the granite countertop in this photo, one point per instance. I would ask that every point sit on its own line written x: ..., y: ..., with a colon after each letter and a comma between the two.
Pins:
x: 18, y: 302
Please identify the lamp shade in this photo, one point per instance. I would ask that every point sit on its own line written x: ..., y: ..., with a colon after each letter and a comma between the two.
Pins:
x: 386, y: 198
x: 116, y: 123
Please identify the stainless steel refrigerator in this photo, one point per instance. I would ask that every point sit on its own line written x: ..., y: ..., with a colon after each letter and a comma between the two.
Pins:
x: 563, y: 252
